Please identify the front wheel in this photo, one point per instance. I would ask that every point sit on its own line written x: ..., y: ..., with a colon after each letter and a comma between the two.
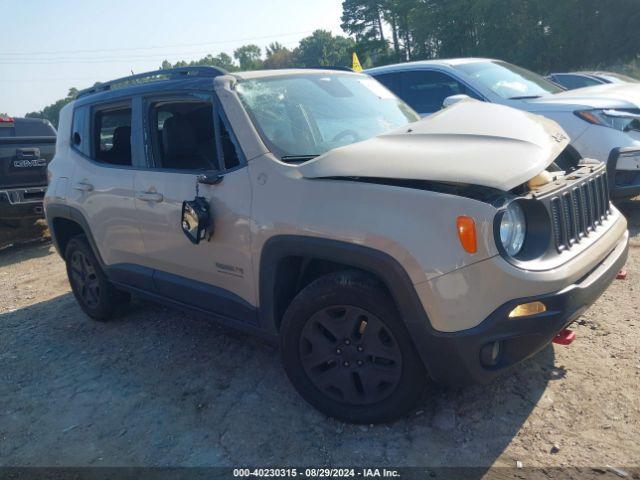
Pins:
x: 346, y: 351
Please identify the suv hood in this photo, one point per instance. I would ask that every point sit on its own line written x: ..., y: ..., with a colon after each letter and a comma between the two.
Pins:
x: 470, y: 142
x: 613, y: 95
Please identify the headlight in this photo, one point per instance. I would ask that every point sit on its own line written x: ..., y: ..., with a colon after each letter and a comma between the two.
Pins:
x: 513, y: 229
x: 623, y: 120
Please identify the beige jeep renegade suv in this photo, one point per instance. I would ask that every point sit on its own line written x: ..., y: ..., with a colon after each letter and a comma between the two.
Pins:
x: 315, y: 208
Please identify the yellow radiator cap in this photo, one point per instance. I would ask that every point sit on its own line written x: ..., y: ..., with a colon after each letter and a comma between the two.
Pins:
x: 526, y: 309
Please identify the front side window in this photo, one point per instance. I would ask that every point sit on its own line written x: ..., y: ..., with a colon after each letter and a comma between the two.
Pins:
x: 390, y: 80
x: 184, y: 137
x: 426, y: 91
x: 508, y: 81
x: 112, y: 136
x: 301, y: 116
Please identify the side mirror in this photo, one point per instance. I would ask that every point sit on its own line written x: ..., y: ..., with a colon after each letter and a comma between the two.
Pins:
x: 453, y: 99
x: 195, y: 219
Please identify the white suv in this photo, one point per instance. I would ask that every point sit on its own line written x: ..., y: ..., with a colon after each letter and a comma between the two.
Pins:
x: 314, y: 208
x: 603, y: 121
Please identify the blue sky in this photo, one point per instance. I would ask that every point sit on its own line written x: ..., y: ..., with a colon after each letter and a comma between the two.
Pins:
x: 49, y: 46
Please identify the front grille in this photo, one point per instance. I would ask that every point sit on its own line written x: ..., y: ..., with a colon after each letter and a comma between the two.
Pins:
x: 578, y: 211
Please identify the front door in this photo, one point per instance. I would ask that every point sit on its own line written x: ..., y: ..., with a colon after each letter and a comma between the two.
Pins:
x: 186, y: 137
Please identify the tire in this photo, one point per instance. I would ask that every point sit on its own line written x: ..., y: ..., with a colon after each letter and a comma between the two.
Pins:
x: 97, y: 297
x: 347, y: 352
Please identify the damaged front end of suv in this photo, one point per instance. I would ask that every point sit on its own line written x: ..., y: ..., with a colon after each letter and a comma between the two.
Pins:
x: 507, y: 235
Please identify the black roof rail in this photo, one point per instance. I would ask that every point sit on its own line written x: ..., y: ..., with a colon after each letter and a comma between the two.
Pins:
x: 166, y: 74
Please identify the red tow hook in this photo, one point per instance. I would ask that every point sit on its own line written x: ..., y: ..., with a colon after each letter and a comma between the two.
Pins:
x: 564, y: 337
x: 622, y: 275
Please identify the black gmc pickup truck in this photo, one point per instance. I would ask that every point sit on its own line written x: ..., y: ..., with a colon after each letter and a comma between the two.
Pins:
x: 27, y: 145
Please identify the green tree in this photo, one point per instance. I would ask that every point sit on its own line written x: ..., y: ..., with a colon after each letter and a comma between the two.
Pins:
x: 222, y: 60
x: 278, y: 56
x: 323, y: 49
x: 539, y: 34
x: 249, y: 57
x: 364, y: 20
x: 52, y: 112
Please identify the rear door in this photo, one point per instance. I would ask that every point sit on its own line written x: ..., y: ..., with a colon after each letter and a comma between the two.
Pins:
x: 186, y: 136
x: 105, y: 141
x: 26, y: 147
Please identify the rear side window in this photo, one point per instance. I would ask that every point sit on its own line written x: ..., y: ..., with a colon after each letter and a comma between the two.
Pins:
x: 79, y: 131
x: 426, y: 91
x: 112, y: 135
x: 184, y: 136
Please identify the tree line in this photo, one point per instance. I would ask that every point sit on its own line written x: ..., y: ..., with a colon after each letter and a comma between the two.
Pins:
x: 321, y: 48
x: 542, y: 35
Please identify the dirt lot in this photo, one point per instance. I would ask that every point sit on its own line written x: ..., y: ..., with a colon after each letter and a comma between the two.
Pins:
x: 160, y: 388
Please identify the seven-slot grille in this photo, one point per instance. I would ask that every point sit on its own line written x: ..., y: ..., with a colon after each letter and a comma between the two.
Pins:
x: 579, y: 210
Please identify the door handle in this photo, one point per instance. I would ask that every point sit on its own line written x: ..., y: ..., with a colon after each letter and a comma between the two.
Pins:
x: 149, y: 196
x: 83, y: 187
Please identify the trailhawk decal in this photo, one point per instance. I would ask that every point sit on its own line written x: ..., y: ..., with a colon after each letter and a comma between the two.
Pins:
x: 230, y: 269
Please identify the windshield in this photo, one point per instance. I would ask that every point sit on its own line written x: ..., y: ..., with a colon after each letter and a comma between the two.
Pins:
x: 509, y: 81
x: 302, y: 116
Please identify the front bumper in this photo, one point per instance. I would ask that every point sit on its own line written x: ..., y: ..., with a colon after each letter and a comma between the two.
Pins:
x: 623, y: 166
x: 21, y: 202
x: 454, y: 359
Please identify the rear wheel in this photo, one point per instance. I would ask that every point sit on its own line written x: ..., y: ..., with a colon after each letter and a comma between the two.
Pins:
x: 347, y: 352
x: 97, y: 297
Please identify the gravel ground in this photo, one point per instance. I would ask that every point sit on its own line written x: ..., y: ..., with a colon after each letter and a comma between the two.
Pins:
x: 161, y: 388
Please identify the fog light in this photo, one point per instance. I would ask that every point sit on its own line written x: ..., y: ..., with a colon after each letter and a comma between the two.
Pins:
x: 526, y: 309
x: 490, y: 354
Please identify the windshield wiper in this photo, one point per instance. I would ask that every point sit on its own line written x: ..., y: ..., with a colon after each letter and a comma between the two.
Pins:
x: 524, y: 97
x: 297, y: 158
